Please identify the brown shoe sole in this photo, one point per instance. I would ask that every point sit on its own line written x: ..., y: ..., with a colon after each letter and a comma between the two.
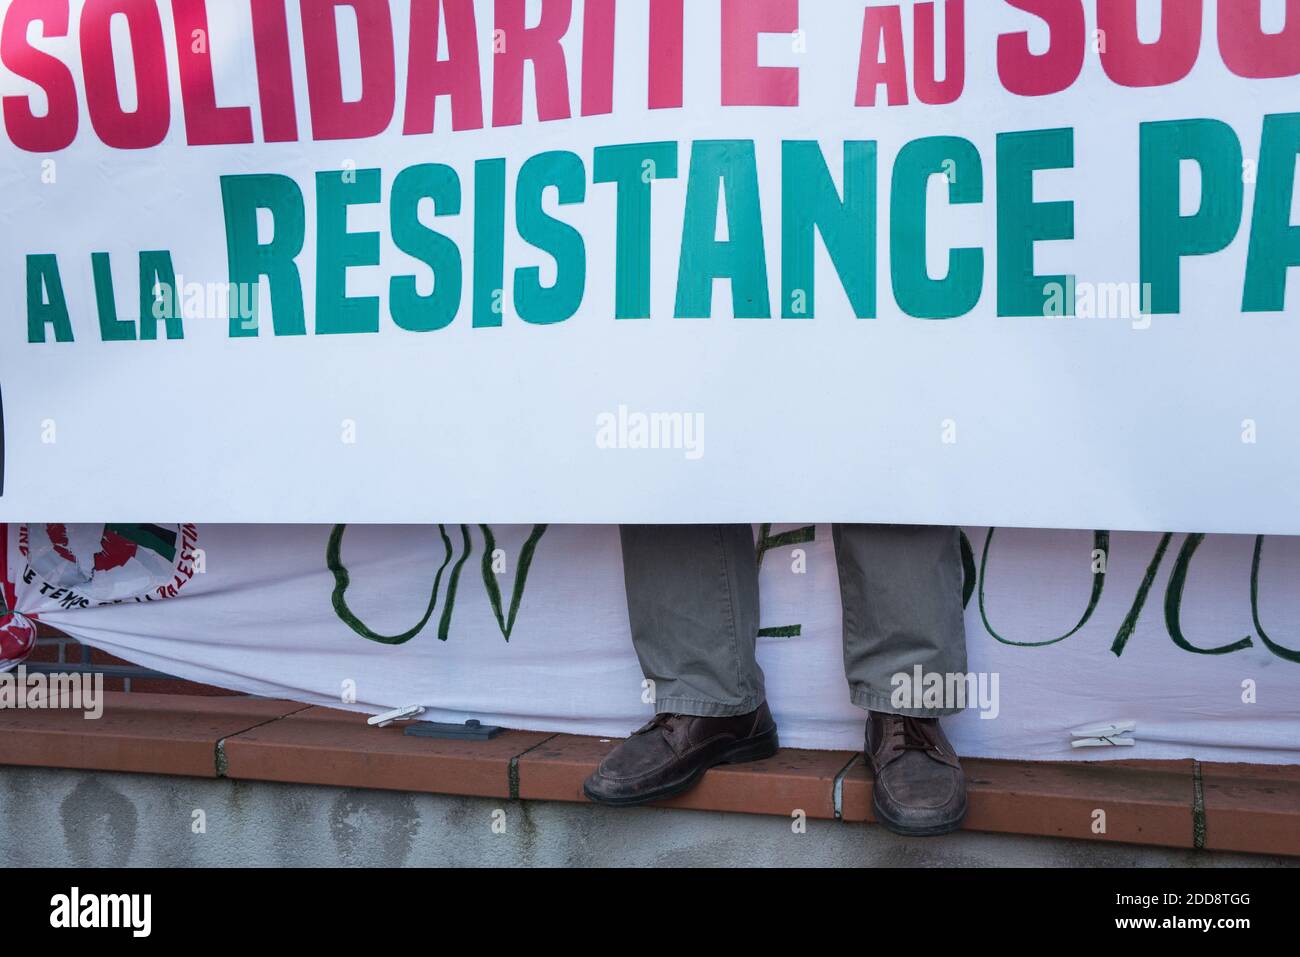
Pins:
x: 908, y: 830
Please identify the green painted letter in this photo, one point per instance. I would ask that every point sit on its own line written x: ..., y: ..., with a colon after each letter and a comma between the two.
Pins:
x: 740, y: 257
x: 633, y: 167
x: 1022, y: 222
x: 337, y: 249
x: 958, y: 161
x: 1274, y: 239
x: 43, y: 282
x: 489, y: 241
x: 410, y: 310
x: 249, y: 260
x: 159, y: 297
x: 535, y: 303
x: 111, y: 329
x: 1167, y: 235
x: 811, y: 204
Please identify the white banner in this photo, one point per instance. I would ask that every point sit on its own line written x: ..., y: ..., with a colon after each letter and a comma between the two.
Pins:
x: 1015, y: 262
x: 1196, y: 640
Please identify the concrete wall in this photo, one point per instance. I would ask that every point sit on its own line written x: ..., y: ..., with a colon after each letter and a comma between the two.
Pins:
x: 79, y: 818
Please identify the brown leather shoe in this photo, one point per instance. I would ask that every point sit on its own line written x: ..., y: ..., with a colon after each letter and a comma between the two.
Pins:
x: 669, y: 754
x: 919, y: 788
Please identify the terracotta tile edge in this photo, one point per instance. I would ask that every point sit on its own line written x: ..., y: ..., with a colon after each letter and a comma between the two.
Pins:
x: 219, y: 761
x: 1198, y: 839
x: 512, y: 770
x: 837, y: 787
x: 1198, y: 807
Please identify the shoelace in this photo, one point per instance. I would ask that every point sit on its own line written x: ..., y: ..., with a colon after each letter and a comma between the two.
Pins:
x: 914, y: 739
x: 659, y: 721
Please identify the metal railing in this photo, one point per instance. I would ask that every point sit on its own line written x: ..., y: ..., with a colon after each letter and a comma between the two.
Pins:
x: 75, y: 657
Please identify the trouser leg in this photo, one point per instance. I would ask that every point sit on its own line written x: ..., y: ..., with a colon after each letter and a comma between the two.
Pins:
x: 901, y: 588
x: 692, y: 600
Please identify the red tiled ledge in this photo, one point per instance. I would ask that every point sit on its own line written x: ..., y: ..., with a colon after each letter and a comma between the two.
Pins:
x: 1230, y: 807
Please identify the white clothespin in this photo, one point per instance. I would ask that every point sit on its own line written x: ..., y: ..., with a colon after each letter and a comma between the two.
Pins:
x: 1117, y: 733
x: 398, y: 714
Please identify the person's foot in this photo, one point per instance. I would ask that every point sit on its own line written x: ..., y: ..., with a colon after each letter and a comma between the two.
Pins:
x: 919, y: 786
x: 672, y: 752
